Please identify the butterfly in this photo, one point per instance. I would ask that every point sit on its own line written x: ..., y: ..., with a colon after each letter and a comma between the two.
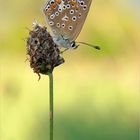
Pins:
x: 66, y: 19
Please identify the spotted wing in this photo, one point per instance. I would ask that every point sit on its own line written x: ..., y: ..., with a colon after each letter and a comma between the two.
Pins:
x: 66, y: 17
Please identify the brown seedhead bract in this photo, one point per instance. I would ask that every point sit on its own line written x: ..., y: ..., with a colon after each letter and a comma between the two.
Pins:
x: 43, y: 53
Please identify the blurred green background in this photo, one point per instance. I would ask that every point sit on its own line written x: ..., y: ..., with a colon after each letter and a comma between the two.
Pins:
x: 96, y: 92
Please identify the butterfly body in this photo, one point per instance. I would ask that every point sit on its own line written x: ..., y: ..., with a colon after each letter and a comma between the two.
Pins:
x: 66, y: 19
x: 65, y: 43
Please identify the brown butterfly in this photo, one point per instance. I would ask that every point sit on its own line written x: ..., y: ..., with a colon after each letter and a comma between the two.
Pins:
x: 66, y: 19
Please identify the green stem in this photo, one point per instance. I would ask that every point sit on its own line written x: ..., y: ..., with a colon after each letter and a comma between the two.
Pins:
x: 51, y: 104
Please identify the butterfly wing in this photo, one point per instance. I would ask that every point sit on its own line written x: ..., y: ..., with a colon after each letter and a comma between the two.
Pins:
x: 81, y: 15
x: 66, y: 17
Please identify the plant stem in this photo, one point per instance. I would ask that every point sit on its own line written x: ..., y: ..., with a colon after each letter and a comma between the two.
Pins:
x: 51, y: 104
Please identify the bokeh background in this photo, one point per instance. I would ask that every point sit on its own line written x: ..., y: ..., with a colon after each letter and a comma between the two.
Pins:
x: 96, y: 92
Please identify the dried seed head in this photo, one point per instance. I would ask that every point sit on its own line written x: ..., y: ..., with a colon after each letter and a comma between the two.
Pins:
x: 43, y: 53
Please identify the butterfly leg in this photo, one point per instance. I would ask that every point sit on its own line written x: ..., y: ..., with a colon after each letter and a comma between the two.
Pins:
x: 64, y: 50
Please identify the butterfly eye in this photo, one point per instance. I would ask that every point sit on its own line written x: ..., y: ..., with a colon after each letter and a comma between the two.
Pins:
x: 73, y: 45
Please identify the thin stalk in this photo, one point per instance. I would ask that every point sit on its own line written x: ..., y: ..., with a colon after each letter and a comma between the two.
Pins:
x: 51, y: 104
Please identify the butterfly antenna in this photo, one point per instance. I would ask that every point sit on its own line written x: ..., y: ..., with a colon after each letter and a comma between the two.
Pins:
x: 90, y: 45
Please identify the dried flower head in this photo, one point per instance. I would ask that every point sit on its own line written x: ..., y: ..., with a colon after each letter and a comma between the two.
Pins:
x: 43, y: 53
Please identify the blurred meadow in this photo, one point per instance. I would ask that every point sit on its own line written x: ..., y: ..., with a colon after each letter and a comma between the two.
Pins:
x: 96, y: 92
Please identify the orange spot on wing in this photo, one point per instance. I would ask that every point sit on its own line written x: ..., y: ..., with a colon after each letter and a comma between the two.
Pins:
x: 73, y: 2
x: 53, y: 6
x: 49, y: 11
x: 58, y: 1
